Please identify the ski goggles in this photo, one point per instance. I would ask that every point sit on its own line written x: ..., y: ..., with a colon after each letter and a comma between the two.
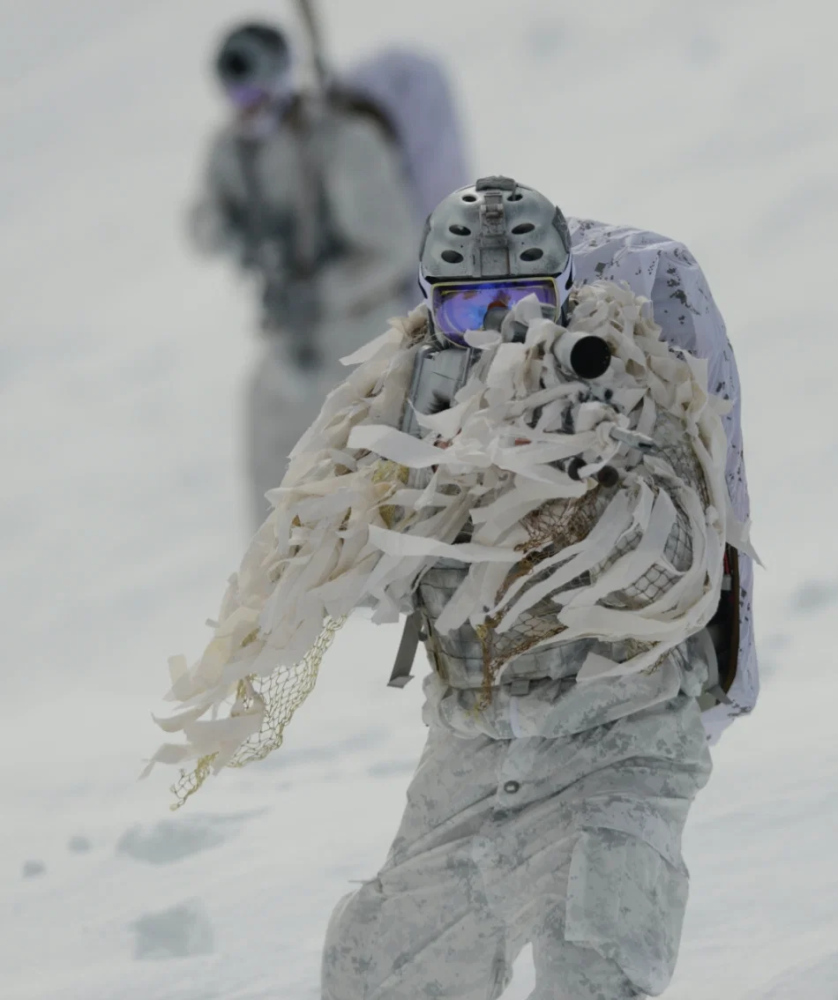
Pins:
x: 251, y: 75
x: 460, y: 306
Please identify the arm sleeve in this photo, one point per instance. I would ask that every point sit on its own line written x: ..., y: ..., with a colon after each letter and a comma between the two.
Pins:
x: 370, y: 197
x: 213, y: 223
x: 684, y: 307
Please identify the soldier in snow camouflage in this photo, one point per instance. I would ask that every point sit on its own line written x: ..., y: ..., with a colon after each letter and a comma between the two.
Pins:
x: 552, y: 813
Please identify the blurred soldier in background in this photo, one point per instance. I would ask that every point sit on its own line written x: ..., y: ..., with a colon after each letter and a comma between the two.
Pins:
x: 319, y: 194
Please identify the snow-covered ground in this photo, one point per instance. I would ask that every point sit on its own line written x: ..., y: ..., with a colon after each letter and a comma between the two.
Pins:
x: 122, y: 510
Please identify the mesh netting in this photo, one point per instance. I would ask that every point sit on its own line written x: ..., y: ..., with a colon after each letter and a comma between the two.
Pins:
x: 658, y: 579
x: 551, y: 528
x: 676, y: 450
x: 531, y: 628
x: 280, y: 695
x: 563, y: 523
x: 557, y: 525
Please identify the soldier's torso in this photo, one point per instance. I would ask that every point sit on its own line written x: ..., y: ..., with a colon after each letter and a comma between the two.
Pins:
x: 531, y: 649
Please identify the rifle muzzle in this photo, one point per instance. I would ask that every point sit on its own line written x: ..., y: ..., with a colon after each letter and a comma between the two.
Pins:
x: 584, y: 355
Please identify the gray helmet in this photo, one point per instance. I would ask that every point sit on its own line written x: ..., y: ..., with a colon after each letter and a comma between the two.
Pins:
x: 493, y: 229
x: 252, y: 55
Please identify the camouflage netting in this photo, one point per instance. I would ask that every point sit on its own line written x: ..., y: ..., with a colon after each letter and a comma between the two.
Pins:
x: 551, y: 528
x: 278, y: 695
x: 560, y: 524
x: 635, y: 554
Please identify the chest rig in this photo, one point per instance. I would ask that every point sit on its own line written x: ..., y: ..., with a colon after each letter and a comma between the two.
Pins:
x: 460, y: 657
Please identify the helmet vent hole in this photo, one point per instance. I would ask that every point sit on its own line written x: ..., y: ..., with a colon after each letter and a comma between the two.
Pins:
x: 515, y: 196
x: 524, y: 227
x: 469, y: 197
x: 452, y: 257
x: 533, y: 254
x: 459, y: 230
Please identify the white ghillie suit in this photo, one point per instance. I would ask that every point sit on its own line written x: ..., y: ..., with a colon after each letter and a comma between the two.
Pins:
x: 566, y: 742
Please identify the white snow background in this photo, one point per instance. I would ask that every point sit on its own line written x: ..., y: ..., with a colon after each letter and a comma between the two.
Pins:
x: 122, y: 512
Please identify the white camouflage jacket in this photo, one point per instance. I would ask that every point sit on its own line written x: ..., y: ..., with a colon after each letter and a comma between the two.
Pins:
x: 665, y: 272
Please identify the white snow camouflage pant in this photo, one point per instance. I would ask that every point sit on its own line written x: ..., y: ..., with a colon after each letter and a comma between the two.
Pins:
x: 570, y: 843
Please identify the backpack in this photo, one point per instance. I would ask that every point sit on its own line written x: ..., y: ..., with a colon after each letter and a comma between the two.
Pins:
x: 412, y: 93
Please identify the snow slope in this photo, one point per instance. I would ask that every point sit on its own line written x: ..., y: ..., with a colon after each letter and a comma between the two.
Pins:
x: 122, y: 512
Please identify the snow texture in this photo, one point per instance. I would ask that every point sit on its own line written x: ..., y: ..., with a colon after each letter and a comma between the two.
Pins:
x: 816, y: 980
x: 168, y: 842
x: 122, y: 501
x: 175, y: 933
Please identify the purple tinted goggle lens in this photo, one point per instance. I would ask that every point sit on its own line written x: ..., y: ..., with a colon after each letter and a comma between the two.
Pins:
x: 460, y: 307
x: 245, y: 95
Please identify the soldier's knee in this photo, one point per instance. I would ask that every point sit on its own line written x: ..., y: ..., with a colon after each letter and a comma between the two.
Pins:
x: 626, y: 903
x: 349, y: 957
